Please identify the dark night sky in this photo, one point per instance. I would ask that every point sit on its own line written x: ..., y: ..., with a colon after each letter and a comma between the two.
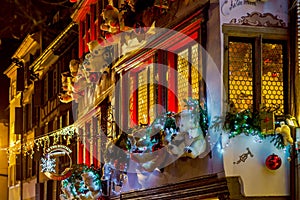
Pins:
x: 7, y: 48
x: 19, y: 18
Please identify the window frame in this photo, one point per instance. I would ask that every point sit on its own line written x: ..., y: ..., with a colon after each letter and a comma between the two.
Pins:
x: 257, y: 35
x: 201, y: 96
x: 134, y: 76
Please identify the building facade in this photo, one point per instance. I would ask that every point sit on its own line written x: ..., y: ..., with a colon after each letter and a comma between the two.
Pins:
x: 169, y: 99
x: 250, y: 69
x: 36, y: 112
x: 4, y: 164
x: 15, y: 72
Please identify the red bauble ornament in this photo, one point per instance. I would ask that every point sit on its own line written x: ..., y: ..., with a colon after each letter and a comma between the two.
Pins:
x: 273, y: 162
x: 73, y: 1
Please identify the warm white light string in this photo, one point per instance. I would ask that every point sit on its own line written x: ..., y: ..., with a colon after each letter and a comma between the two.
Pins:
x: 66, y: 133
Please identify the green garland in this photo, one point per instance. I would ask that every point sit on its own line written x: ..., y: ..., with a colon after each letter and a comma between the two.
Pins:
x: 235, y: 123
x: 76, y: 181
x: 199, y: 112
x: 248, y: 123
x: 243, y: 122
x: 77, y: 184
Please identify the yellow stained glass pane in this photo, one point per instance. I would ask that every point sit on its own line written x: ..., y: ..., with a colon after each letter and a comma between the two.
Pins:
x: 272, y: 59
x: 142, y: 97
x: 240, y: 75
x: 110, y: 125
x: 183, y: 78
x: 195, y: 72
x: 152, y: 100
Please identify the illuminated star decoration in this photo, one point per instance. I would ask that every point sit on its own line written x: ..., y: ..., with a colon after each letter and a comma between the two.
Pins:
x: 48, y: 164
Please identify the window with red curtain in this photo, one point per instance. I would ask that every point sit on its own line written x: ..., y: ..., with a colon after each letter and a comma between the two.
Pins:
x: 87, y: 36
x: 142, y: 101
x: 163, y: 86
x: 160, y: 90
x: 89, y: 26
x: 176, y: 75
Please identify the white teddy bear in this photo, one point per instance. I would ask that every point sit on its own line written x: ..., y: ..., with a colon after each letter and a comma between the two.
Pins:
x: 189, y: 141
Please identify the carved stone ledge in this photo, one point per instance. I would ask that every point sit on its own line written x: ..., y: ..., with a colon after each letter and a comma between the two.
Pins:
x: 259, y: 19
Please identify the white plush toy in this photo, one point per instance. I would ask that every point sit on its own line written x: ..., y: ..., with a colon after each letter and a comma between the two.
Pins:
x: 190, y: 140
x: 93, y: 183
x: 177, y: 143
x: 285, y: 131
x: 151, y: 160
x: 198, y: 145
x: 147, y: 155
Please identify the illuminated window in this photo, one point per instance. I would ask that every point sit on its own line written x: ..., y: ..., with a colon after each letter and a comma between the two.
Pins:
x: 195, y: 75
x: 142, y: 101
x: 188, y: 75
x: 272, y: 76
x: 182, y: 77
x: 142, y: 98
x: 152, y: 95
x: 240, y: 74
x: 249, y: 82
x: 146, y: 95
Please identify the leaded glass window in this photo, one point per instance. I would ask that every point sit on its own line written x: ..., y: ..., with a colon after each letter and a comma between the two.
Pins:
x: 188, y: 75
x: 272, y: 76
x: 183, y: 77
x: 142, y: 97
x: 240, y: 74
x: 248, y: 80
x: 195, y: 72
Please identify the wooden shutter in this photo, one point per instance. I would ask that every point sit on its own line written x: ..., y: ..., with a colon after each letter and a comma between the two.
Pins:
x: 20, y: 79
x: 38, y: 93
x: 18, y: 120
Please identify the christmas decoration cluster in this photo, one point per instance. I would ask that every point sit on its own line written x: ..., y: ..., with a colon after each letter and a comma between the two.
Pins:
x: 170, y: 135
x: 84, y: 183
x: 261, y: 123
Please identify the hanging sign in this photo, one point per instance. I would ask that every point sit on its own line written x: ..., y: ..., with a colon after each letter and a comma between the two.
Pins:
x: 50, y: 159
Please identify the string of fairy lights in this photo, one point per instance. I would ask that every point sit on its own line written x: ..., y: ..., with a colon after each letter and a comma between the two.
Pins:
x: 43, y: 142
